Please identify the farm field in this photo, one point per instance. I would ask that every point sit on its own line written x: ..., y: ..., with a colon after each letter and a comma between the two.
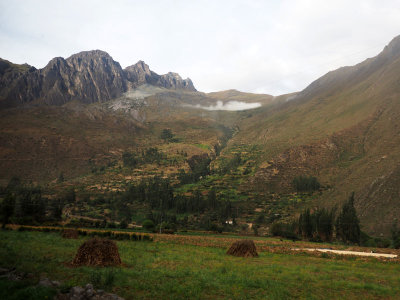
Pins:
x: 196, y: 267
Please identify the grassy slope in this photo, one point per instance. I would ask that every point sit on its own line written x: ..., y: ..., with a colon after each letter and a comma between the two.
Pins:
x: 359, y: 116
x: 161, y: 270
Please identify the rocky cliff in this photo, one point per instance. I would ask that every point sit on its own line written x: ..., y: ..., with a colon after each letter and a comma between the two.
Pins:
x: 140, y: 73
x: 89, y: 76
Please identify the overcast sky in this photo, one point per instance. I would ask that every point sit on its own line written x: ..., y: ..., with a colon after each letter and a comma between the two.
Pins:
x: 257, y: 46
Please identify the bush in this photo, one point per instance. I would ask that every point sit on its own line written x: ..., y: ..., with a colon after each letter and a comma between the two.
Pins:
x: 284, y: 230
x: 111, y: 225
x: 166, y: 134
x: 120, y: 236
x: 382, y: 242
x: 370, y: 243
x: 129, y: 160
x: 148, y: 225
x: 396, y: 243
x: 306, y: 183
x: 147, y: 238
x: 123, y: 224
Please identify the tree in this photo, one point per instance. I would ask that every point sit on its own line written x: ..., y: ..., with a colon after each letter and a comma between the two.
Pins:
x: 7, y: 208
x: 123, y: 224
x: 70, y: 196
x: 61, y: 178
x: 56, y: 208
x: 395, y: 236
x: 199, y: 165
x: 324, y: 224
x: 347, y: 223
x: 148, y: 225
x: 212, y: 200
x: 167, y: 134
x: 306, y: 224
x: 129, y: 160
x: 306, y: 183
x: 14, y: 183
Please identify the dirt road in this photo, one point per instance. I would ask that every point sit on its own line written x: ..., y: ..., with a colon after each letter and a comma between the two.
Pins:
x: 346, y: 252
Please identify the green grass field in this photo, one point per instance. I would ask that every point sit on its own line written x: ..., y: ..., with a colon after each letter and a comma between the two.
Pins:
x: 170, y: 270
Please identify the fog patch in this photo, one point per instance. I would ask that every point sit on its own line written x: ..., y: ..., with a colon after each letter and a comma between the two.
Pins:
x: 290, y: 98
x: 230, y: 105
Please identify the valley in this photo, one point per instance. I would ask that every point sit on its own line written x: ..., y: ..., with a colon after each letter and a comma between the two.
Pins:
x: 101, y: 139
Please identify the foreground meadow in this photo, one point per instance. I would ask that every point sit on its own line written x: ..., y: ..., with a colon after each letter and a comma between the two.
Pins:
x: 173, y: 269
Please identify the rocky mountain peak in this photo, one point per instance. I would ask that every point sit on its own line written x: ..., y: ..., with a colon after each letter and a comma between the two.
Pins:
x: 140, y: 73
x: 90, y: 55
x: 175, y: 81
x: 140, y: 65
x: 87, y: 76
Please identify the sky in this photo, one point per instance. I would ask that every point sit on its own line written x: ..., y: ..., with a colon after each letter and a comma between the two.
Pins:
x: 272, y: 47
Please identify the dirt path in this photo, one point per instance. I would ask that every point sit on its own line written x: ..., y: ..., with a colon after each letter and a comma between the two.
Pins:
x: 346, y: 252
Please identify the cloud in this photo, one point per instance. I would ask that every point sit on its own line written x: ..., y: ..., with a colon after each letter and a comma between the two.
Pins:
x: 230, y: 105
x: 272, y: 46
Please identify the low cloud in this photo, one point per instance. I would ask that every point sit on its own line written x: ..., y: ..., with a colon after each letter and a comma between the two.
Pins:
x: 230, y: 105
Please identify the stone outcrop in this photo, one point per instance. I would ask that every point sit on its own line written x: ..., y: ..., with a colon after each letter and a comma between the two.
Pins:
x: 86, y: 293
x: 140, y: 73
x: 89, y: 76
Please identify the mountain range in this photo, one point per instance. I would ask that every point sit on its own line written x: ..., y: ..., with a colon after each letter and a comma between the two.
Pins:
x: 82, y: 113
x: 89, y: 76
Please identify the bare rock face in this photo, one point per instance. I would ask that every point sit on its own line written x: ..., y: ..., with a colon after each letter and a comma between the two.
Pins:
x: 89, y: 76
x: 174, y: 81
x: 14, y: 81
x: 140, y: 73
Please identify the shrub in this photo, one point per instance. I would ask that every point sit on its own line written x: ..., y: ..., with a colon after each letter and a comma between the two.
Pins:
x: 129, y: 160
x: 370, y: 243
x: 382, y: 242
x: 82, y: 232
x: 284, y: 230
x: 22, y: 228
x: 111, y: 225
x: 166, y: 134
x: 120, y: 235
x: 123, y: 224
x: 396, y: 243
x: 148, y: 225
x: 147, y: 238
x: 306, y: 183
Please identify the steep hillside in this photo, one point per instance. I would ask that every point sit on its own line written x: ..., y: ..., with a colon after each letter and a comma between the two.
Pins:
x: 343, y: 129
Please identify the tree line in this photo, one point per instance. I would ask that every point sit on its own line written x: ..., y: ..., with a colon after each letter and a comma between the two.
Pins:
x: 322, y: 224
x: 24, y: 204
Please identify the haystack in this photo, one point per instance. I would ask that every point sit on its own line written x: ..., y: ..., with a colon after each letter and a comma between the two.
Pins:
x: 243, y: 248
x: 70, y: 234
x: 97, y: 252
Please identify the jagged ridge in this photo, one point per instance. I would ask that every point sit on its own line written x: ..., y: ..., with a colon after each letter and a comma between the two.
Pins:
x: 89, y: 76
